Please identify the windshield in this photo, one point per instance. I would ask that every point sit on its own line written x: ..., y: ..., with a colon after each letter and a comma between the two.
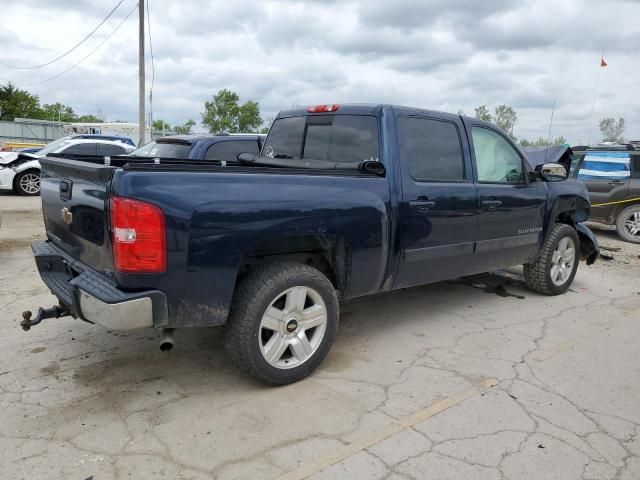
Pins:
x: 53, y: 146
x: 162, y: 150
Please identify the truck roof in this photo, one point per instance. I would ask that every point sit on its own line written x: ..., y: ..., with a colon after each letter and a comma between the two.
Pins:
x: 359, y: 109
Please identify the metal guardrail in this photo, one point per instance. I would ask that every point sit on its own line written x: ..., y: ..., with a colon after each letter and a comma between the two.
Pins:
x: 13, y: 146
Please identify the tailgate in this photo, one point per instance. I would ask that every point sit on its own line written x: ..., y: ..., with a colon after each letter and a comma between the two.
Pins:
x: 74, y: 199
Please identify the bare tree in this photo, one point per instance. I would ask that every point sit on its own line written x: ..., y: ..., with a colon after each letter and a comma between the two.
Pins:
x: 612, y: 130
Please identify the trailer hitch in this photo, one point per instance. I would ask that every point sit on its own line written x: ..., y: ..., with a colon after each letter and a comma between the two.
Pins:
x: 43, y: 313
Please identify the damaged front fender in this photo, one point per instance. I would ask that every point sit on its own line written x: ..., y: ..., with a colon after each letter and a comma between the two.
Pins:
x: 589, y: 249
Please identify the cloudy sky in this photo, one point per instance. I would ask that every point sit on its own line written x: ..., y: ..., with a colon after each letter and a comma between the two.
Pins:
x: 439, y: 54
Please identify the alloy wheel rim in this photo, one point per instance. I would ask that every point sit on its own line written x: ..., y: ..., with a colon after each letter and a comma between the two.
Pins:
x: 30, y: 183
x: 632, y: 224
x: 562, y: 261
x: 292, y: 327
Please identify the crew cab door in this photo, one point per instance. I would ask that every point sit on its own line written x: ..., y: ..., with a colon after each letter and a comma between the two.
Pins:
x: 512, y: 208
x: 607, y: 177
x: 437, y: 225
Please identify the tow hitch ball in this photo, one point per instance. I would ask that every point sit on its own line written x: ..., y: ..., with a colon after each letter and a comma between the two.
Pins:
x: 43, y: 313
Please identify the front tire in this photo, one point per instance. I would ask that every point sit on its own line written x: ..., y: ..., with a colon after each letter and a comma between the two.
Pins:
x: 554, y: 270
x: 282, y: 322
x: 628, y: 224
x: 27, y: 183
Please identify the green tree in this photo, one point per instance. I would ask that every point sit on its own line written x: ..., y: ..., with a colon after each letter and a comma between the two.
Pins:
x: 16, y: 103
x: 185, y: 128
x: 224, y: 114
x: 89, y: 119
x: 612, y: 130
x: 160, y: 125
x: 542, y: 142
x: 506, y: 118
x: 482, y: 113
x: 249, y: 118
x: 57, y: 112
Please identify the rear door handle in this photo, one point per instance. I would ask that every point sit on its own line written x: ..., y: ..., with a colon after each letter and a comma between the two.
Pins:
x: 616, y: 182
x: 492, y: 204
x: 421, y: 205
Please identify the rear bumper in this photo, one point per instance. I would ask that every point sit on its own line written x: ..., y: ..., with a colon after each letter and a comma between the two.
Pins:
x: 93, y: 297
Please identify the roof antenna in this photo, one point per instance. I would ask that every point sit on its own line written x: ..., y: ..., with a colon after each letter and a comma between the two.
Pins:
x: 553, y: 109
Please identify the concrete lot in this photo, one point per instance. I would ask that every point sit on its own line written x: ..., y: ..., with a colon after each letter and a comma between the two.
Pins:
x: 460, y: 380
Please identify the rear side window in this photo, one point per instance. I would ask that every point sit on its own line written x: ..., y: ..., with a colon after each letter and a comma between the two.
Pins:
x: 336, y: 138
x: 106, y: 149
x: 431, y: 149
x: 170, y: 150
x: 605, y: 165
x: 229, y: 150
x: 81, y: 149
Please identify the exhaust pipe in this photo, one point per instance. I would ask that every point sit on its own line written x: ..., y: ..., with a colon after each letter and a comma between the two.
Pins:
x: 166, y: 343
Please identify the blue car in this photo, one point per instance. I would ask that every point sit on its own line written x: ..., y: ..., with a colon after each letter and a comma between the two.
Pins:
x: 202, y: 146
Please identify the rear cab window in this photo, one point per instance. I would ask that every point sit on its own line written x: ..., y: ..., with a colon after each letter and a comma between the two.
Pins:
x: 334, y: 138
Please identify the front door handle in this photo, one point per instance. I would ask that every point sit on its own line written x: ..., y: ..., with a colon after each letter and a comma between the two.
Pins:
x: 421, y: 205
x: 616, y: 182
x: 492, y: 204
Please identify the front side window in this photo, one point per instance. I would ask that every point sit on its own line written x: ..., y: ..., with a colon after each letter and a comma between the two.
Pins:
x: 229, y: 150
x: 334, y: 138
x: 431, y: 149
x: 496, y: 160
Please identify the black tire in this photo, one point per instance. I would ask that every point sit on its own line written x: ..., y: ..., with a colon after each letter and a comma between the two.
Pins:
x: 538, y: 274
x: 627, y: 215
x: 254, y: 294
x: 20, y: 188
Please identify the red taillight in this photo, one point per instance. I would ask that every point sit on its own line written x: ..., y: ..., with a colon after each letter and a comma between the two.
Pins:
x: 139, y: 236
x: 323, y: 108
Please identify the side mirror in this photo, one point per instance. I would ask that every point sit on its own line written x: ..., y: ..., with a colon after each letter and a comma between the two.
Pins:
x: 551, y: 172
x: 246, y: 157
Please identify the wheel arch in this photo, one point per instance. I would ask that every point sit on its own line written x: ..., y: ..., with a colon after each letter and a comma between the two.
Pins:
x: 330, y: 254
x: 573, y: 211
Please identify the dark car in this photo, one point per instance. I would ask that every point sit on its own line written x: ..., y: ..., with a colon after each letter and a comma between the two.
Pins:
x: 344, y: 201
x: 201, y: 147
x: 612, y: 177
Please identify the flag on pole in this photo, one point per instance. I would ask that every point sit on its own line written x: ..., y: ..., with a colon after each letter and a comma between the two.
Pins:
x: 602, y: 62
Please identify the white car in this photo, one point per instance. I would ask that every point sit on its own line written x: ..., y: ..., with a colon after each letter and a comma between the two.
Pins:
x: 20, y: 172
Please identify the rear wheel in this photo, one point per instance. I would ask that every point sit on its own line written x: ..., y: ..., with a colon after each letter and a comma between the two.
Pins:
x: 628, y: 224
x: 27, y: 182
x: 554, y: 270
x: 282, y: 322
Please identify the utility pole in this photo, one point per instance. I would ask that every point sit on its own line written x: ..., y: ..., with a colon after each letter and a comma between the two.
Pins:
x: 141, y: 86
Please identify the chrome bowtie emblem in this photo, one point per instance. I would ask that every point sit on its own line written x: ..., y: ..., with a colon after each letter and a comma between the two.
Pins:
x: 67, y: 216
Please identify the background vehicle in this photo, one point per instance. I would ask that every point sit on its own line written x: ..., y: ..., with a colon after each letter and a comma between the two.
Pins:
x: 20, y: 172
x: 204, y: 147
x: 612, y: 177
x: 345, y: 201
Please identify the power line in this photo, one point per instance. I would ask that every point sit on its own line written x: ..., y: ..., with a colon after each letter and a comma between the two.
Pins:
x: 153, y: 67
x: 88, y: 55
x: 68, y: 51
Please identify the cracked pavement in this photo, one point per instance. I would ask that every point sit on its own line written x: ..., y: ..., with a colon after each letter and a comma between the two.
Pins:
x: 79, y: 401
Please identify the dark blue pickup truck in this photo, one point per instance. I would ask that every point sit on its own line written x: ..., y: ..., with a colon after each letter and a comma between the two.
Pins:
x: 342, y: 201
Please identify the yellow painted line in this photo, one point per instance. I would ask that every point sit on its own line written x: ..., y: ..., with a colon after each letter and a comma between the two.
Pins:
x: 637, y: 199
x: 369, y: 439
